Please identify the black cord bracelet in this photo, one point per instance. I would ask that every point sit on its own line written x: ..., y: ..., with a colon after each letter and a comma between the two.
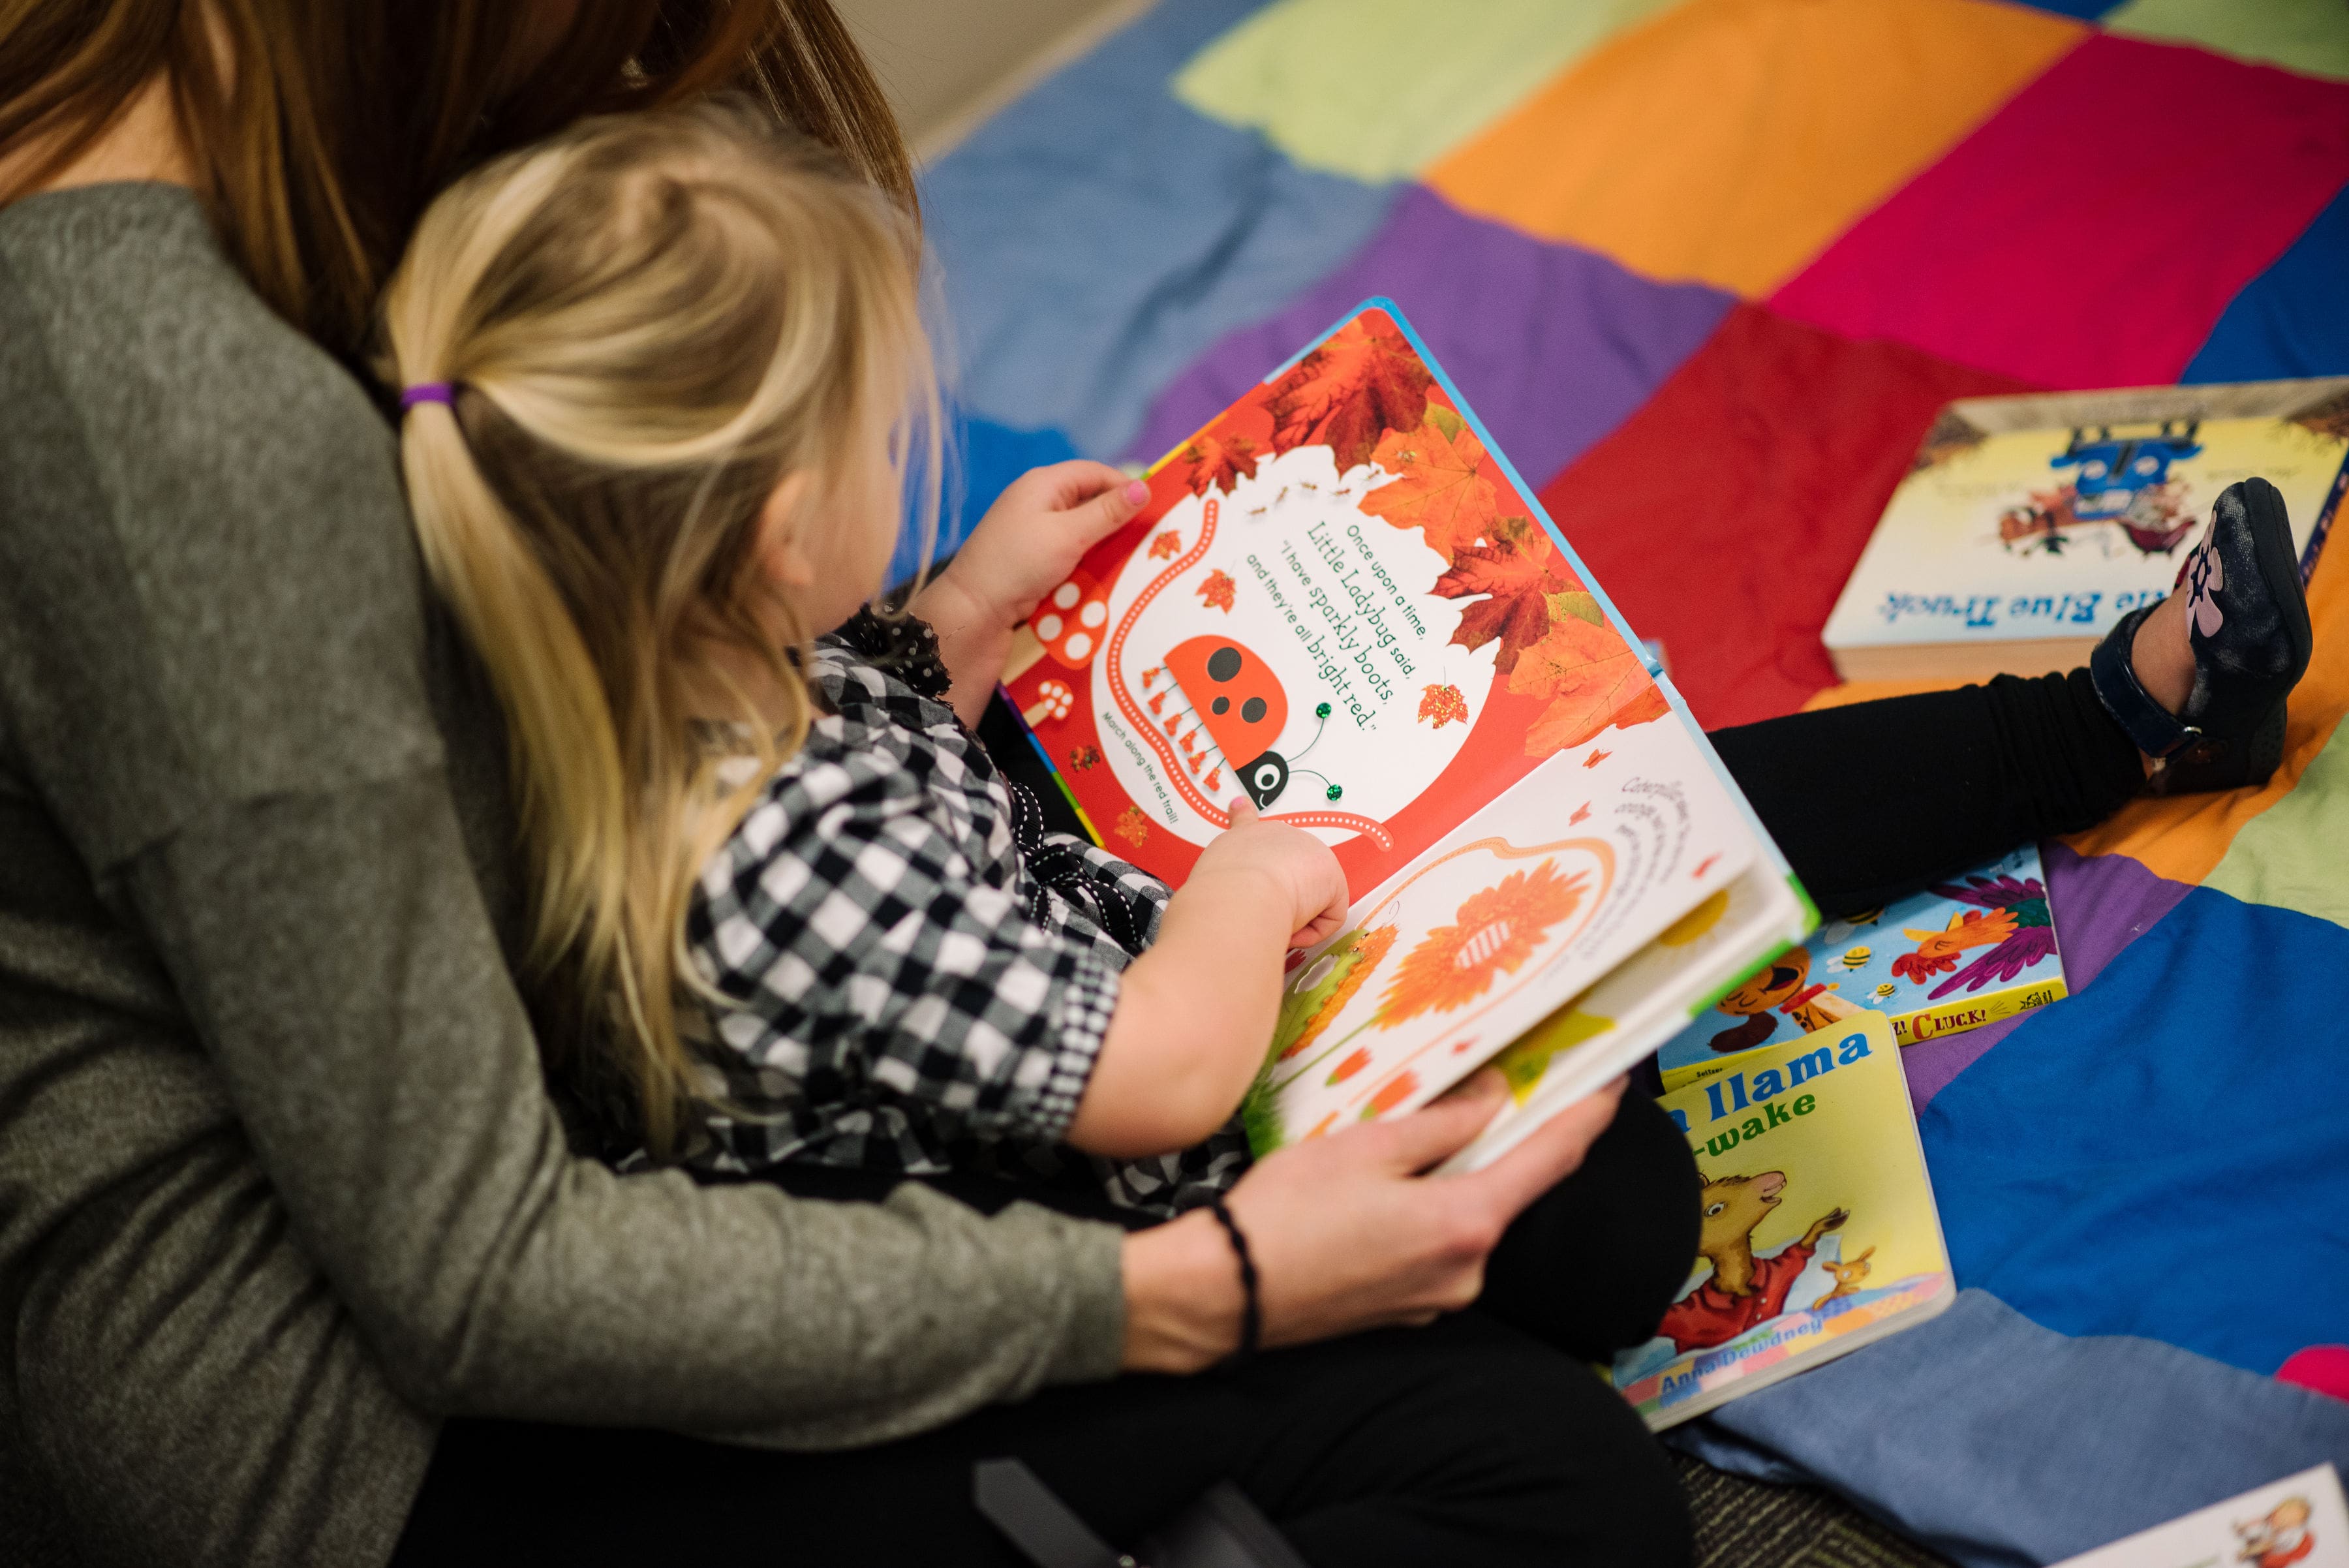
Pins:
x: 1251, y: 1308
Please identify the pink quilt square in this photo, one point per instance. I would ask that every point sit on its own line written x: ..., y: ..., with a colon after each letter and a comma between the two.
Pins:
x: 2091, y: 232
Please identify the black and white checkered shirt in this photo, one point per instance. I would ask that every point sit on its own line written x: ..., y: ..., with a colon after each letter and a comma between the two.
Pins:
x: 907, y: 989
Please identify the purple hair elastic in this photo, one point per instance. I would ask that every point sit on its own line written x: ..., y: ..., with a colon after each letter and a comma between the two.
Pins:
x: 441, y: 392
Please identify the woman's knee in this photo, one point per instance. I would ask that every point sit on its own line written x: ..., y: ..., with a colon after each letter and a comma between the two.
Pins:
x: 1592, y: 1265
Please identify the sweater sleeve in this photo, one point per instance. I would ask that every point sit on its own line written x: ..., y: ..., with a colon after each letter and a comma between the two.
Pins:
x: 225, y: 701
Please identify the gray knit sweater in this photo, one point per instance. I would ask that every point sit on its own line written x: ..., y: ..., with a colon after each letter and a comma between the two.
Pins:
x: 280, y: 1185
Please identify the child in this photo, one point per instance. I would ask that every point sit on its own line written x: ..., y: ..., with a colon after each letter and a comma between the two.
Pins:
x: 665, y: 381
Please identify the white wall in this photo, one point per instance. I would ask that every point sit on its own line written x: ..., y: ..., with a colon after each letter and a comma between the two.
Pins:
x: 947, y: 64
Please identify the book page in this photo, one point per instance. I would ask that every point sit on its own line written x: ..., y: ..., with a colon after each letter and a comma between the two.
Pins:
x: 1642, y: 1000
x: 1338, y: 603
x: 1528, y: 902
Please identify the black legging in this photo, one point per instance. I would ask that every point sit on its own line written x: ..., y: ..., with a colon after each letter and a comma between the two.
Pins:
x: 1470, y: 1441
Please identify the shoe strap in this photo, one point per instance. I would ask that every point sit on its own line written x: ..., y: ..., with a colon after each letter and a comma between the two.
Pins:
x: 2151, y: 728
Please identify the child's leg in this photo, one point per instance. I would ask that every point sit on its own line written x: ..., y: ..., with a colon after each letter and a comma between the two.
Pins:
x: 1874, y: 801
x: 1592, y: 1265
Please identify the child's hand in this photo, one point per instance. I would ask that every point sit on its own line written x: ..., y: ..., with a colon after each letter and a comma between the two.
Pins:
x: 1025, y: 546
x: 1036, y: 530
x: 1300, y: 864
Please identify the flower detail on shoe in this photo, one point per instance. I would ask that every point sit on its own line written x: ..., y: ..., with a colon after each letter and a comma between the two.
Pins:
x: 2204, y: 575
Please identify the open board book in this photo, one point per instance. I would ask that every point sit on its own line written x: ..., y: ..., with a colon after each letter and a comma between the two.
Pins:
x: 2028, y: 526
x: 1819, y: 1232
x: 1341, y: 602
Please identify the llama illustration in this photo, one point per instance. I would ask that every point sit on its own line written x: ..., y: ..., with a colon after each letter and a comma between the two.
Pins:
x: 1743, y: 1290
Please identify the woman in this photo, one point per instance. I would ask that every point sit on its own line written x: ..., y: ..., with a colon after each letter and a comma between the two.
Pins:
x: 299, y: 1263
x: 285, y: 1196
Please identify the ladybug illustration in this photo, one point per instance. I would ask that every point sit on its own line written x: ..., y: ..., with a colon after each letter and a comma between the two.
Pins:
x: 1073, y: 621
x: 1238, y: 698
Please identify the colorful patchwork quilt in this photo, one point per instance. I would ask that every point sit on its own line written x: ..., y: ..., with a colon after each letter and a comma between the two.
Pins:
x: 1708, y: 268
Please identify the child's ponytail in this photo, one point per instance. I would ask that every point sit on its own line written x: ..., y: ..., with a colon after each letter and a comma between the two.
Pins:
x: 616, y: 347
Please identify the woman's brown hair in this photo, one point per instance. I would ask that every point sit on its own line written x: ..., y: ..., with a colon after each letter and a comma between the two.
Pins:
x: 321, y: 131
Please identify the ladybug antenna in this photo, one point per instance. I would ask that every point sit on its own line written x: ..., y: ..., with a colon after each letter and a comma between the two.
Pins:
x: 1321, y: 722
x: 1331, y: 791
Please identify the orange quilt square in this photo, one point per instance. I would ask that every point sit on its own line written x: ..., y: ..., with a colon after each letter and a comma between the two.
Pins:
x: 1733, y: 140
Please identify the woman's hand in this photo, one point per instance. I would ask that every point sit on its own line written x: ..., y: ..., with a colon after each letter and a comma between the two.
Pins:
x: 1346, y: 1232
x: 1300, y: 867
x: 1025, y: 546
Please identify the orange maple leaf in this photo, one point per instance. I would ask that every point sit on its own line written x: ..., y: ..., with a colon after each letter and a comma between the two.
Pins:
x: 1442, y: 705
x: 1216, y: 592
x: 1217, y: 462
x: 1495, y: 932
x: 1166, y: 544
x: 1514, y: 575
x: 1349, y: 392
x: 1438, y: 490
x: 1591, y: 680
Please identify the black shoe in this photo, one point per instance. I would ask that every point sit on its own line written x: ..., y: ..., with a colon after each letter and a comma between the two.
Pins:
x: 2252, y: 642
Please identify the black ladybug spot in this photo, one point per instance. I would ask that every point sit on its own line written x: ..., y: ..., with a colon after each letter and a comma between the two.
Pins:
x: 1221, y: 705
x: 1223, y: 664
x: 1252, y: 710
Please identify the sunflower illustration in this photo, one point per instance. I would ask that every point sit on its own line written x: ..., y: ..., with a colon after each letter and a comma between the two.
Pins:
x: 1495, y: 932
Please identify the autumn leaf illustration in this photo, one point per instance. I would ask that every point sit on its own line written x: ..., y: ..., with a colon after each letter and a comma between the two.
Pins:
x: 1437, y: 489
x: 1517, y: 581
x: 1392, y: 1093
x: 1442, y: 705
x: 1591, y: 680
x: 1495, y: 932
x: 1218, y: 462
x: 1133, y: 827
x: 1216, y: 592
x: 1349, y: 392
x: 1166, y: 545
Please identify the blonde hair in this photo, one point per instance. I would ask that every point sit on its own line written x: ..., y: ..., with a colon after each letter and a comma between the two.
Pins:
x: 649, y: 320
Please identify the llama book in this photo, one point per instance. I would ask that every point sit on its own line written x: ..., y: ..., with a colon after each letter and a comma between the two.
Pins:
x: 1964, y: 953
x: 1342, y: 604
x: 2300, y: 1522
x: 2027, y: 527
x: 1820, y: 1233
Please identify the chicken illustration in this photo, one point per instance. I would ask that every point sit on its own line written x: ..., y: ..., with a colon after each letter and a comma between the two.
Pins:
x: 2008, y: 916
x: 1743, y: 1290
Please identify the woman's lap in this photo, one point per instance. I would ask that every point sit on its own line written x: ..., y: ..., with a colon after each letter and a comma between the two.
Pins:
x: 1468, y: 1440
x: 1463, y: 1441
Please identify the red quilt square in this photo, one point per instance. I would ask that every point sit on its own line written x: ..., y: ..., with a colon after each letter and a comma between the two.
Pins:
x: 1724, y: 515
x: 2091, y: 232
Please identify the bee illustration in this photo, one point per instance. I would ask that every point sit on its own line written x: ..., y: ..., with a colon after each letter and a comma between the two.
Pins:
x: 1856, y: 958
x: 1884, y: 992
